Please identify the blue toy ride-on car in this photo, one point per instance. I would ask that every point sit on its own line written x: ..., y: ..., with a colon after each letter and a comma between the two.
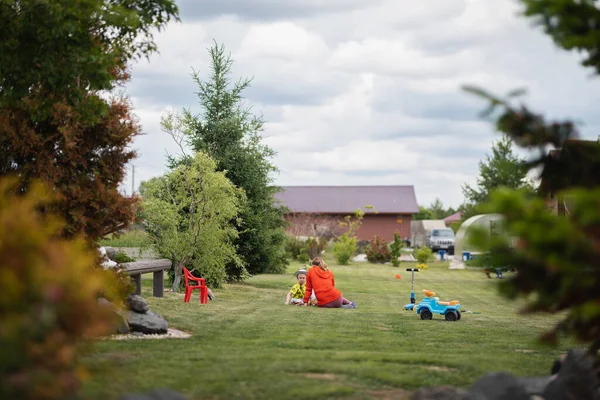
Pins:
x: 431, y: 305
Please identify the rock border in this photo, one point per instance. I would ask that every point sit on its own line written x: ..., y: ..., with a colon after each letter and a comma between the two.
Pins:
x: 172, y: 333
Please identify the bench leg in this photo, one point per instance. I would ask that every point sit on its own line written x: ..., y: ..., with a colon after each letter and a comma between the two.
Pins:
x: 158, y: 284
x: 137, y: 279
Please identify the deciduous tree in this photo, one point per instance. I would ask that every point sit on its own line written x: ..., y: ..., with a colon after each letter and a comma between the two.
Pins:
x: 187, y: 214
x: 59, y: 61
x: 424, y: 213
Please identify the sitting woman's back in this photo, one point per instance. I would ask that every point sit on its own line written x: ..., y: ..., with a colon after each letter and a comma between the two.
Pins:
x: 320, y: 279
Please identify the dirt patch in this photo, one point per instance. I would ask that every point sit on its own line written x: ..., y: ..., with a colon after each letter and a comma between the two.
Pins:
x: 440, y: 368
x: 525, y: 351
x: 388, y: 394
x: 383, y: 328
x: 328, y: 377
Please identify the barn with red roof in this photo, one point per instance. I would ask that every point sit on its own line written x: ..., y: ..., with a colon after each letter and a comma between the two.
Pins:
x: 314, y: 209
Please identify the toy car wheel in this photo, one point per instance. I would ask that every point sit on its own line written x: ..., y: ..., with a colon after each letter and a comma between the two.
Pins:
x: 458, y: 314
x: 426, y: 314
x: 451, y: 315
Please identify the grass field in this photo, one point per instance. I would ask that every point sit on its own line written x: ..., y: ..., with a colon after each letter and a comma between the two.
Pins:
x: 247, y: 345
x: 133, y: 238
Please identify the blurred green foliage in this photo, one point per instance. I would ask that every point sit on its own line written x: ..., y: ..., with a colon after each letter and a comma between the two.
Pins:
x: 48, y: 298
x: 556, y: 252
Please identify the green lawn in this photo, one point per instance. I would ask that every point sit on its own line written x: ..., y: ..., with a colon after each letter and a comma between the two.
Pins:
x: 130, y: 238
x: 247, y: 344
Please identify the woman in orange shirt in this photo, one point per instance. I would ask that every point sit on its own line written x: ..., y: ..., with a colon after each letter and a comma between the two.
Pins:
x: 320, y: 279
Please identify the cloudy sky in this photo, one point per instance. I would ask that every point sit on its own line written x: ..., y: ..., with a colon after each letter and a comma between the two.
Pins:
x: 363, y: 92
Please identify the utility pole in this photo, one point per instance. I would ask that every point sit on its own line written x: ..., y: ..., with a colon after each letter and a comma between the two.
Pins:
x: 132, y: 180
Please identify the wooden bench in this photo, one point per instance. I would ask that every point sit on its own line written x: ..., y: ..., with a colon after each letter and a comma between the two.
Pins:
x: 137, y: 268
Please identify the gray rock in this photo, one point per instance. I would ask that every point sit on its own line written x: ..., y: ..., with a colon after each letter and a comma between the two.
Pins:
x: 439, y: 393
x: 136, y: 303
x: 497, y: 386
x: 534, y: 385
x: 122, y: 326
x: 120, y: 321
x: 577, y: 379
x: 110, y: 252
x: 149, y: 323
x: 157, y: 394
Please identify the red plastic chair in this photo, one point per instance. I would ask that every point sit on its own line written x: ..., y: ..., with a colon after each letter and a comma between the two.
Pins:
x: 189, y: 289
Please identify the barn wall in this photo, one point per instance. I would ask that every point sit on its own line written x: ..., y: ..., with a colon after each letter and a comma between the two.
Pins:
x: 383, y: 225
x: 308, y: 224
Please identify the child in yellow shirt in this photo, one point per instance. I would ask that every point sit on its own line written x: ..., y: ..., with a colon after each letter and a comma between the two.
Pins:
x: 296, y: 293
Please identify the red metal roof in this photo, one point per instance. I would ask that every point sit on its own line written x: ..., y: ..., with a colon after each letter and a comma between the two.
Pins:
x: 346, y: 199
x: 454, y: 217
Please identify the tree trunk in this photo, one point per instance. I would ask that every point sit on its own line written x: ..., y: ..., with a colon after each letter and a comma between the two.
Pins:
x: 178, y: 268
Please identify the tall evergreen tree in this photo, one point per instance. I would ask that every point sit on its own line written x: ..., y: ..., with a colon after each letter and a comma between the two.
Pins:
x: 230, y: 133
x: 502, y: 169
x: 437, y: 209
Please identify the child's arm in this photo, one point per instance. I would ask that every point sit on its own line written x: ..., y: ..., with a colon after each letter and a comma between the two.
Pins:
x: 287, y: 299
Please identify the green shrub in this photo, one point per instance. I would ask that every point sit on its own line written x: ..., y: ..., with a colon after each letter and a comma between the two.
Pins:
x: 122, y: 257
x: 296, y: 249
x: 315, y: 247
x: 377, y: 251
x: 344, y: 248
x: 396, y: 249
x: 361, y: 246
x: 48, y: 299
x: 423, y: 255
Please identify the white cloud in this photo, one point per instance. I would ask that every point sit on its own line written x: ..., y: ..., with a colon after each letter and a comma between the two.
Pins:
x: 180, y: 47
x: 152, y: 146
x: 396, y: 57
x: 365, y: 92
x: 266, y: 10
x: 281, y: 40
x: 366, y: 156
